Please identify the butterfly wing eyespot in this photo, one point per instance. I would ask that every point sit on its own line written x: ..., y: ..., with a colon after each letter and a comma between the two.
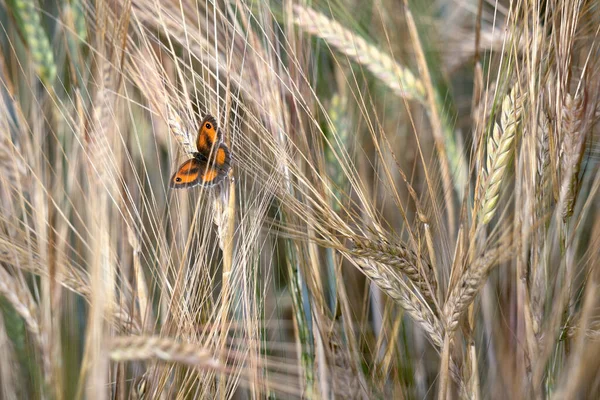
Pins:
x: 188, y: 174
x: 208, y: 135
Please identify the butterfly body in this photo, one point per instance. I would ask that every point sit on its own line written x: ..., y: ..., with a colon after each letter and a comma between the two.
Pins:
x: 210, y: 164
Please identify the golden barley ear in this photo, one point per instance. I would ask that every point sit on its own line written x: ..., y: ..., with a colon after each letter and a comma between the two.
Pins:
x: 398, y: 78
x: 571, y: 151
x: 469, y: 285
x: 500, y: 149
x: 400, y: 258
x: 178, y: 129
x: 392, y: 285
x: 131, y: 348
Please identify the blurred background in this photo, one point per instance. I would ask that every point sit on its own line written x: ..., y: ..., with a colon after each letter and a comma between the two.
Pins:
x: 411, y: 210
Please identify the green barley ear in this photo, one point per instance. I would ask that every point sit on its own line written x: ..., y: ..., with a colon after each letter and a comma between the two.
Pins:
x: 30, y: 26
x: 499, y: 151
x: 79, y: 19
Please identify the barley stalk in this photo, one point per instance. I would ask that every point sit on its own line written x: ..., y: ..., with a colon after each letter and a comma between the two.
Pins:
x: 224, y: 219
x: 336, y: 152
x: 449, y: 156
x: 398, y: 78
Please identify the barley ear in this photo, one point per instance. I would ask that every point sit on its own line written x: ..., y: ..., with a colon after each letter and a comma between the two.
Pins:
x: 30, y: 25
x: 471, y: 282
x: 499, y: 152
x: 131, y: 348
x: 391, y: 285
x: 178, y: 129
x: 571, y: 152
x: 399, y: 258
x: 398, y: 78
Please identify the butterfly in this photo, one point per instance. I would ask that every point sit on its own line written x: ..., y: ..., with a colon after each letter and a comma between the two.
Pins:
x: 210, y: 164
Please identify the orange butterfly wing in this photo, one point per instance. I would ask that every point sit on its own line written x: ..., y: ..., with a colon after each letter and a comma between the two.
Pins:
x: 201, y: 170
x: 208, y: 135
x: 218, y: 166
x: 222, y: 158
x: 188, y: 174
x: 195, y: 171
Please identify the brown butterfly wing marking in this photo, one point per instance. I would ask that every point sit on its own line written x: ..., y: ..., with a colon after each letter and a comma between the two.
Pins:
x: 208, y: 135
x: 218, y: 167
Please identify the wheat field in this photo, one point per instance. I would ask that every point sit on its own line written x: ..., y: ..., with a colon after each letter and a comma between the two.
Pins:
x: 411, y: 210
